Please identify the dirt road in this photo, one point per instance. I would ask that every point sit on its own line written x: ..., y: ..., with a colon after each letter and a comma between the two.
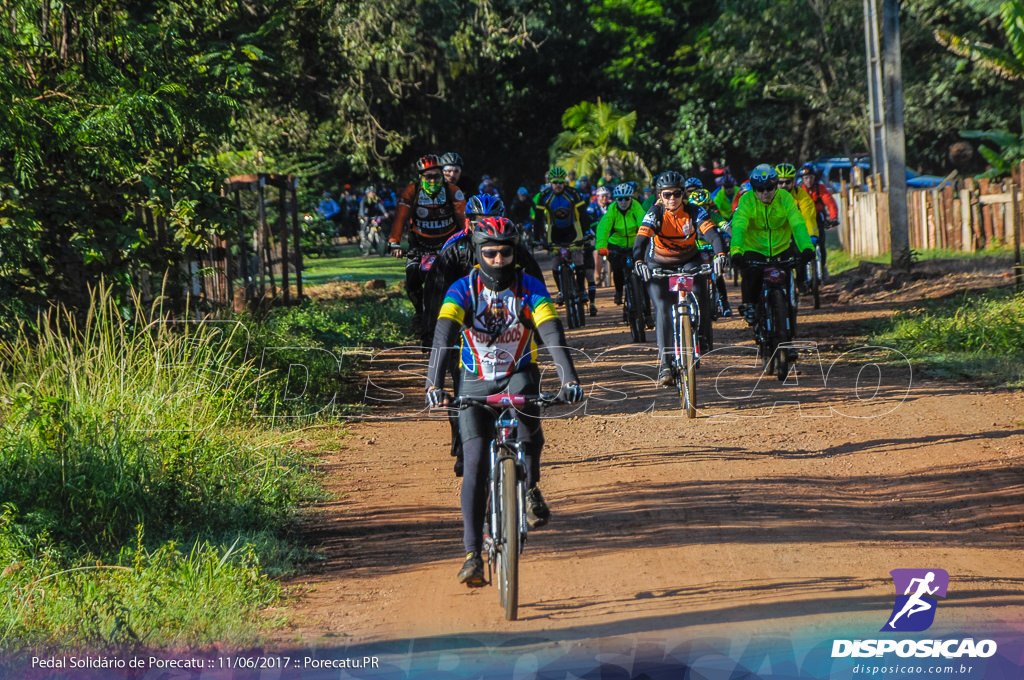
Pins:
x: 779, y: 511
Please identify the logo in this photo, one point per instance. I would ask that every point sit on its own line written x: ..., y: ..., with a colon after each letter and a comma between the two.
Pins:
x: 914, y: 609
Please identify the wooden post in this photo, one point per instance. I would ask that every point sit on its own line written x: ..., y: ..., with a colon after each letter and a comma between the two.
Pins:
x: 895, y: 151
x: 297, y: 235
x: 1018, y: 269
x: 283, y: 237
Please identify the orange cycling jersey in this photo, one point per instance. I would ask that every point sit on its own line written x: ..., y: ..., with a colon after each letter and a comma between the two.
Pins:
x: 434, y: 218
x: 673, y: 235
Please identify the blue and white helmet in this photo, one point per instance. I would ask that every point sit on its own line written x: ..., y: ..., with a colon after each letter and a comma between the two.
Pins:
x: 484, y: 205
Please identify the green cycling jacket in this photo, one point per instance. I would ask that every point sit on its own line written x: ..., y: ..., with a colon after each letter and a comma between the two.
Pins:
x: 768, y: 229
x: 619, y: 228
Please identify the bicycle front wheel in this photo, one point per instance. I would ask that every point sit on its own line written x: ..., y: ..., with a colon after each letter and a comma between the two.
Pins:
x: 687, y: 371
x: 567, y: 282
x: 634, y: 313
x: 508, y: 558
x: 816, y: 279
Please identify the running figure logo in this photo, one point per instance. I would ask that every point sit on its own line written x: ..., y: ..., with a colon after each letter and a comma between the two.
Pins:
x: 915, y: 608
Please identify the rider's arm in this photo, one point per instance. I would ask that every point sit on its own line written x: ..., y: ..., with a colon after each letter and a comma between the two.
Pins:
x: 740, y: 218
x: 604, y: 228
x: 544, y: 318
x: 402, y: 213
x: 829, y: 201
x: 449, y: 323
x: 459, y: 201
x: 540, y: 220
x: 796, y: 220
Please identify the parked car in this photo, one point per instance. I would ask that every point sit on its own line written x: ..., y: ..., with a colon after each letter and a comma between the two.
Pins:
x: 834, y: 170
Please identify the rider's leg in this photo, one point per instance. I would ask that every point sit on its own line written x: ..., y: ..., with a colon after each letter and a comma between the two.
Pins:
x: 663, y: 299
x: 617, y: 261
x: 474, y: 492
x: 414, y: 289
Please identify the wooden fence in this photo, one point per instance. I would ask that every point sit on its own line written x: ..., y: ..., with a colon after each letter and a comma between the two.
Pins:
x: 965, y: 215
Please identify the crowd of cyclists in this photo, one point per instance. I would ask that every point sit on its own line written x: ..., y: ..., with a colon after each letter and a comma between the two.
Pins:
x: 482, y: 307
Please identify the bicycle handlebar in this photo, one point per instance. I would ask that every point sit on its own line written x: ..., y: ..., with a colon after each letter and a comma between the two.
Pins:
x: 505, y: 400
x: 663, y: 272
x: 788, y: 262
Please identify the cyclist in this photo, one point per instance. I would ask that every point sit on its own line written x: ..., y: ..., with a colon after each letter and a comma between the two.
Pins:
x: 560, y: 221
x: 724, y: 194
x: 824, y: 204
x: 584, y: 189
x: 702, y: 198
x: 767, y: 223
x: 597, y: 209
x: 520, y: 211
x: 370, y: 208
x: 690, y: 185
x: 451, y: 163
x: 500, y: 312
x: 787, y: 181
x: 434, y: 210
x: 616, y: 234
x: 668, y: 238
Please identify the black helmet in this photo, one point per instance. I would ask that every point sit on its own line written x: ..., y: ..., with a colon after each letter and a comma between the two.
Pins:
x: 668, y: 180
x: 452, y: 158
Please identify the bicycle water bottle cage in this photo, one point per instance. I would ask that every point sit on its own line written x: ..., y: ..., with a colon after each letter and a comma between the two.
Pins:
x: 683, y: 282
x: 427, y: 261
x: 774, y: 276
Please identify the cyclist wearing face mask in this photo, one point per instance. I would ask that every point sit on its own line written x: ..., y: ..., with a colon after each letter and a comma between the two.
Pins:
x: 433, y: 210
x: 500, y: 312
x: 767, y: 223
x: 668, y: 238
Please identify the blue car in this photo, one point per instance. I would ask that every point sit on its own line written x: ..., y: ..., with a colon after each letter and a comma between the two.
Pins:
x: 834, y: 170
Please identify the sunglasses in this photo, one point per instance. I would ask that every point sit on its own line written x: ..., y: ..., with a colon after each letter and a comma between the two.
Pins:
x: 764, y: 191
x: 785, y: 182
x: 678, y: 193
x: 624, y: 199
x: 491, y: 253
x: 557, y: 182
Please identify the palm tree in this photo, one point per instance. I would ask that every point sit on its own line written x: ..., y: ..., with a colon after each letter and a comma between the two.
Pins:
x: 596, y: 137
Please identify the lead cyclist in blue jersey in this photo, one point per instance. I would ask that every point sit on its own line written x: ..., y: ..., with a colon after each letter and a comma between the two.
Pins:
x: 499, y: 312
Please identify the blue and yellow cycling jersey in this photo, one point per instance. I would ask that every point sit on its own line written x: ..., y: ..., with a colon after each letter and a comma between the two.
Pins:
x: 498, y: 327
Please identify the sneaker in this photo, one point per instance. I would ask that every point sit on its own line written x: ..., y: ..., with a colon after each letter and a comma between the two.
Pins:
x: 558, y: 298
x: 726, y: 310
x: 593, y: 309
x: 749, y: 313
x: 665, y: 378
x: 618, y: 299
x: 472, y: 572
x: 537, y: 511
x: 649, y: 322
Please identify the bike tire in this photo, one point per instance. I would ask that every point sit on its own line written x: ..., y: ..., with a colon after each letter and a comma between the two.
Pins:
x: 508, y: 581
x: 780, y: 331
x: 580, y: 296
x: 568, y: 286
x: 816, y: 279
x: 687, y: 371
x: 637, y: 326
x: 705, y: 326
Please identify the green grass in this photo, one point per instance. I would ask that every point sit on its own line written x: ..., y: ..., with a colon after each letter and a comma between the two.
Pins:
x: 350, y: 267
x: 136, y: 509
x: 975, y: 337
x: 840, y: 261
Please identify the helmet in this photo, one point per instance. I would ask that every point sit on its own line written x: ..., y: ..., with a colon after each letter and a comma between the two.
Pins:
x: 428, y: 162
x: 484, y: 205
x: 693, y: 183
x: 763, y: 177
x: 668, y: 179
x: 808, y: 169
x: 699, y: 197
x: 785, y: 170
x: 603, y: 190
x: 622, y: 191
x: 495, y: 231
x: 632, y: 186
x: 451, y: 158
x: 522, y: 191
x: 556, y: 173
x: 728, y: 181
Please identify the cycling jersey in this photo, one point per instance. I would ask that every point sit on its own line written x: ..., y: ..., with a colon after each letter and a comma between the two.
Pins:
x: 499, y: 327
x: 560, y: 215
x: 670, y: 238
x: 433, y: 218
x: 768, y: 228
x: 723, y: 201
x: 619, y: 228
x: 806, y: 205
x: 824, y: 203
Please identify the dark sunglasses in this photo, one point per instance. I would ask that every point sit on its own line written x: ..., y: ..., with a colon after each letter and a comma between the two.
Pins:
x: 785, y: 182
x: 678, y: 193
x: 491, y: 253
x: 764, y: 191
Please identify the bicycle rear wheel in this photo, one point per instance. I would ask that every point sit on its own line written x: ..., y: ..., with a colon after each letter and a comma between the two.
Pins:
x: 815, y: 279
x: 781, y: 332
x: 634, y: 313
x: 567, y: 283
x: 508, y: 558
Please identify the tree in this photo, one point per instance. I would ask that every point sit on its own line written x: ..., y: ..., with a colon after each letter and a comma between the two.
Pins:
x: 596, y: 137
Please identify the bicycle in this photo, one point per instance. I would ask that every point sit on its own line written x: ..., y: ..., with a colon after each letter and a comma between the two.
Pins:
x: 506, y: 504
x: 634, y: 302
x: 569, y: 275
x: 775, y: 315
x: 688, y: 282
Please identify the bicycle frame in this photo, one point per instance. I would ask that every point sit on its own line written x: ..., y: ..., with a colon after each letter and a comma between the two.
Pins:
x: 774, y: 327
x: 575, y: 300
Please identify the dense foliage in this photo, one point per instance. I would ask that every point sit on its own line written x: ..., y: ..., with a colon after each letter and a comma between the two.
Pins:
x: 113, y: 108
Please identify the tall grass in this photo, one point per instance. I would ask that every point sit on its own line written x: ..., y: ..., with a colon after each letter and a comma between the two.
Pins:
x: 122, y: 466
x: 974, y: 337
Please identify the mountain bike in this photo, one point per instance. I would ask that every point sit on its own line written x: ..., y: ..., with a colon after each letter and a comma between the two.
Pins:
x: 634, y: 302
x: 570, y: 276
x: 506, y: 504
x: 689, y: 314
x: 605, y: 280
x: 775, y: 314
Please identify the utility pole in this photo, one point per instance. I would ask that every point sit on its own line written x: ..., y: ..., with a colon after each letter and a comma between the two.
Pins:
x: 875, y: 97
x: 895, y: 144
